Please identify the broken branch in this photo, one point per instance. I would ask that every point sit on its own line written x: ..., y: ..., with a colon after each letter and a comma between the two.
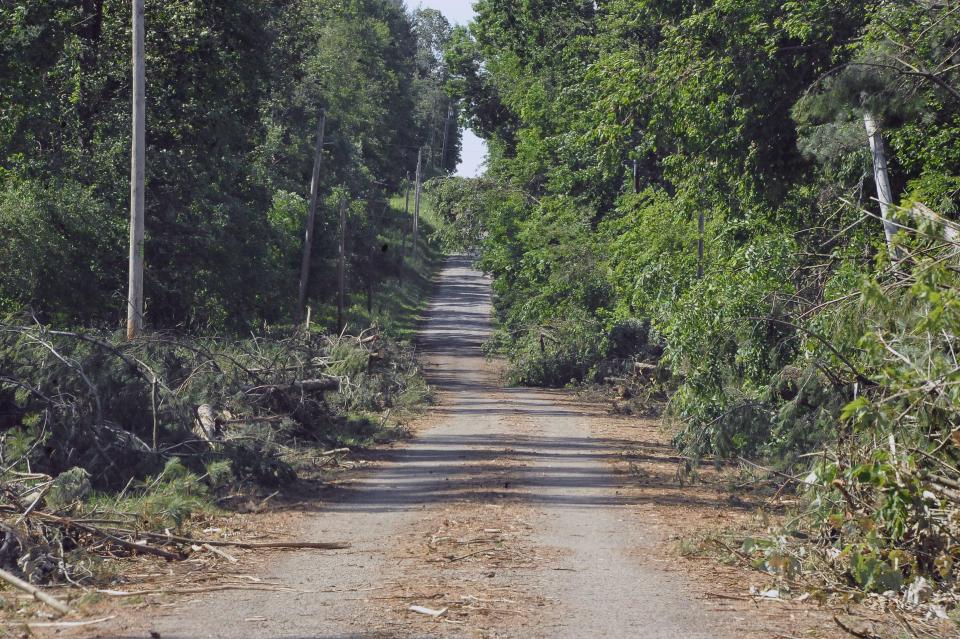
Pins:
x: 37, y: 594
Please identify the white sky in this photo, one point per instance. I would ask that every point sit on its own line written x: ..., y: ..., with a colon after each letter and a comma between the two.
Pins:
x: 474, y: 149
x: 456, y: 11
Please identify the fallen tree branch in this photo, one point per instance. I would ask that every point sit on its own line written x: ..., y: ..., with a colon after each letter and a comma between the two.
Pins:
x: 479, y: 552
x: 129, y: 545
x: 306, y: 385
x: 109, y: 536
x: 335, y: 451
x: 30, y: 625
x: 315, y: 545
x: 37, y: 594
x: 197, y: 590
x: 220, y: 553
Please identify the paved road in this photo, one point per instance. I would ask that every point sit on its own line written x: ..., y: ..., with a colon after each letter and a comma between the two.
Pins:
x: 570, y: 559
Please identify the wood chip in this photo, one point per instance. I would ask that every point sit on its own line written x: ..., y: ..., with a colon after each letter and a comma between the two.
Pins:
x: 430, y: 612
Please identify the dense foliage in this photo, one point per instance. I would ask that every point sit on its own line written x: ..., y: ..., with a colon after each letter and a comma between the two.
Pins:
x: 234, y: 92
x: 624, y: 133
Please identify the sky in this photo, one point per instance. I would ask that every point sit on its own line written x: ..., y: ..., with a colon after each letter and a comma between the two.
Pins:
x: 474, y: 149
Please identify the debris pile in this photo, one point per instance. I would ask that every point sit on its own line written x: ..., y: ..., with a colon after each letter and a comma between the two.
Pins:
x: 109, y: 448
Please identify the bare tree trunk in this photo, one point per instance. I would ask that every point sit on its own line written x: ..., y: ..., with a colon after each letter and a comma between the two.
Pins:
x: 137, y: 164
x: 311, y: 220
x: 882, y: 178
x: 416, y: 202
x: 951, y: 230
x: 406, y: 214
x: 342, y: 268
x: 701, y: 223
x: 406, y: 231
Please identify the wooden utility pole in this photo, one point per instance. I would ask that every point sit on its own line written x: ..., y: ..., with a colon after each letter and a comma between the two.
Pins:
x: 881, y: 176
x: 416, y: 201
x: 342, y: 268
x: 137, y: 173
x: 311, y: 219
x: 446, y: 137
x: 433, y: 137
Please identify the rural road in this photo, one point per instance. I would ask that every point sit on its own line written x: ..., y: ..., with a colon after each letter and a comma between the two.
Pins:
x: 504, y: 510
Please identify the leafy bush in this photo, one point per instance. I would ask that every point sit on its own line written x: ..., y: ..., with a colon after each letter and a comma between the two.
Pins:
x: 556, y: 355
x: 59, y: 242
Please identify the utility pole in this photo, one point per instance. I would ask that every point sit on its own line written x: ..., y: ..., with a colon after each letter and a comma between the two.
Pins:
x: 406, y: 231
x: 311, y: 219
x: 433, y: 136
x: 416, y: 201
x: 446, y: 137
x: 137, y: 179
x: 342, y: 267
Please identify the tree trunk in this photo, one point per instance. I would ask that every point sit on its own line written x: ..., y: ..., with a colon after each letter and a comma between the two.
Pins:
x: 416, y: 202
x: 882, y: 178
x: 311, y: 220
x: 341, y: 268
x: 403, y: 224
x: 137, y: 165
x: 701, y: 223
